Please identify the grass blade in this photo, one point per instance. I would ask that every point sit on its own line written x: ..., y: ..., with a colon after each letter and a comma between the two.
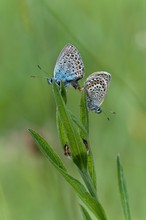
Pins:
x: 123, y: 190
x: 84, y: 116
x: 86, y: 198
x: 85, y: 213
x: 94, y: 206
x: 79, y: 124
x: 63, y: 93
x: 75, y: 142
x: 62, y: 135
x: 47, y: 150
x: 91, y: 168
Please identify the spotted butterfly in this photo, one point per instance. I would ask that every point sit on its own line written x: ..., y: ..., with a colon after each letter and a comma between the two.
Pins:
x: 69, y: 67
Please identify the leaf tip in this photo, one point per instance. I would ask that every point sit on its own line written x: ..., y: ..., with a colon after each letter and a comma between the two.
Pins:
x: 118, y: 157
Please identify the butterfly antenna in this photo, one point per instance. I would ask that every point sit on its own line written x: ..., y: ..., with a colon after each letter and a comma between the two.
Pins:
x: 113, y: 113
x: 34, y: 76
x: 106, y: 115
x: 42, y: 69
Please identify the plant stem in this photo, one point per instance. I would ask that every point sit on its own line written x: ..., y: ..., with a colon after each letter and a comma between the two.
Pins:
x: 88, y: 181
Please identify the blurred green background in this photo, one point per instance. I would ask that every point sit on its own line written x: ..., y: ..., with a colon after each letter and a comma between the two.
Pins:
x: 111, y: 36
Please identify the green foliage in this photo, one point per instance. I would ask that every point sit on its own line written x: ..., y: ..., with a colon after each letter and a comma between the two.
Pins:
x: 61, y: 131
x: 79, y: 153
x: 75, y: 133
x: 91, y: 202
x: 110, y: 35
x: 47, y: 150
x: 74, y: 139
x: 123, y: 190
x: 85, y: 213
x: 84, y: 118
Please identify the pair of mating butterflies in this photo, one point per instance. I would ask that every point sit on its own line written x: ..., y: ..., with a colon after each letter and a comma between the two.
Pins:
x: 69, y: 69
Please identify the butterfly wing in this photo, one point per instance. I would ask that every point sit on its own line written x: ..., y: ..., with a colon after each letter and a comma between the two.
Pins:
x: 69, y: 66
x: 96, y: 87
x: 106, y: 76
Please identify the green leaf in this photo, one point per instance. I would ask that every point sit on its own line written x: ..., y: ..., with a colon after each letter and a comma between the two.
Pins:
x: 86, y: 198
x: 91, y: 167
x: 60, y: 128
x: 47, y: 150
x: 63, y: 93
x: 78, y: 123
x: 89, y: 183
x: 75, y: 142
x: 84, y: 116
x: 61, y: 131
x: 123, y: 190
x: 85, y: 213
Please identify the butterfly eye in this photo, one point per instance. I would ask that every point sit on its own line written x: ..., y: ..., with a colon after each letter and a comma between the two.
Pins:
x: 50, y: 81
x: 98, y: 110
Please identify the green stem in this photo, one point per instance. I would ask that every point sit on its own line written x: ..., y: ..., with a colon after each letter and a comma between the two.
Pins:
x: 88, y: 181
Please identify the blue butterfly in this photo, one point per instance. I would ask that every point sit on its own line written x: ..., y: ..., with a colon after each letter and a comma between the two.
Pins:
x: 96, y: 86
x: 69, y: 67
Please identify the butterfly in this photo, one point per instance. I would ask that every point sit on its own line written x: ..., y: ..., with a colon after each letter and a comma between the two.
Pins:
x: 96, y: 87
x: 69, y: 67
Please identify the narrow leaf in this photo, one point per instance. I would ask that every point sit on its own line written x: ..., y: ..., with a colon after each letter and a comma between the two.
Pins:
x: 84, y: 116
x: 85, y: 213
x: 63, y: 93
x: 91, y: 167
x: 47, y: 150
x: 61, y: 131
x: 89, y: 183
x: 86, y: 198
x: 79, y: 124
x: 75, y: 142
x: 123, y: 190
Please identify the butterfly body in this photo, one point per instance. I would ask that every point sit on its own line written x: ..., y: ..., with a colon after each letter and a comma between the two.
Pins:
x: 69, y: 67
x: 96, y: 87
